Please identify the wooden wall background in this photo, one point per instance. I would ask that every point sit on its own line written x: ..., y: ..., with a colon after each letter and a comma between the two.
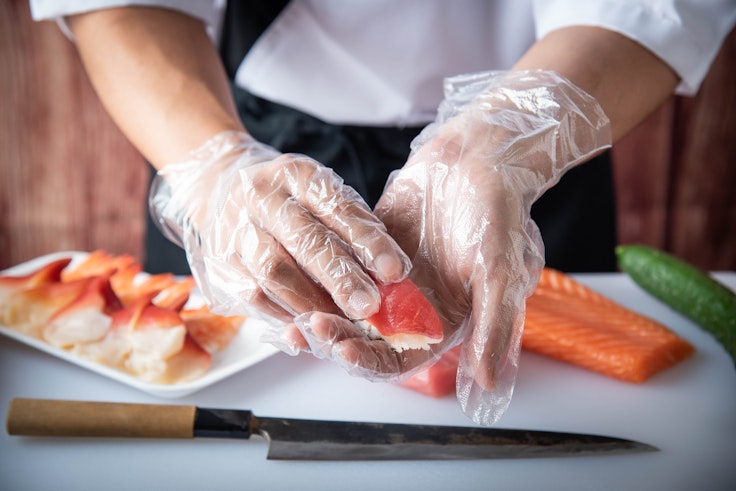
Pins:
x: 69, y: 180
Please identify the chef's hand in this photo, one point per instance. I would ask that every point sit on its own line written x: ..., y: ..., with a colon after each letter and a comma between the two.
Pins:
x: 460, y: 208
x: 278, y: 232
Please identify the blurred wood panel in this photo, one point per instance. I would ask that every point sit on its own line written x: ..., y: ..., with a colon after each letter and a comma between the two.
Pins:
x: 676, y: 173
x: 642, y: 165
x: 70, y: 180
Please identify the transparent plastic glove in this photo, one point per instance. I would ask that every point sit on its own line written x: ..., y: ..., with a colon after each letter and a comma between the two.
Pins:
x: 278, y: 232
x: 460, y: 208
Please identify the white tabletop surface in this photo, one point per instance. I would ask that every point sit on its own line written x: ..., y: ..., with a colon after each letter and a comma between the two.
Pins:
x: 689, y: 412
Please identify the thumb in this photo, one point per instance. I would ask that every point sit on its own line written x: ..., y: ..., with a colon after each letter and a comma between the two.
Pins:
x: 490, y: 354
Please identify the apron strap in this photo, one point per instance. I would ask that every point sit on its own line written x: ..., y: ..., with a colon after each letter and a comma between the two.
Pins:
x: 244, y: 22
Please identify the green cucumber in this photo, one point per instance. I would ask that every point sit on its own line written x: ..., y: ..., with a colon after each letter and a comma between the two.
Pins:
x: 684, y: 288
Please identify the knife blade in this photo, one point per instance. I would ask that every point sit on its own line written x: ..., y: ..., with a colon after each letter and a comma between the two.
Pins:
x: 303, y: 439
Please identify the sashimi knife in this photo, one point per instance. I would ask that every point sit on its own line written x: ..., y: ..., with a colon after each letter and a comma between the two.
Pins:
x: 301, y: 439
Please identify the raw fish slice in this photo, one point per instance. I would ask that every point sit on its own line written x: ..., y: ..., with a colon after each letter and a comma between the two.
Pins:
x: 174, y: 297
x: 97, y: 263
x: 158, y: 335
x: 124, y: 283
x: 570, y: 322
x: 141, y: 340
x: 49, y: 273
x: 126, y: 280
x: 85, y: 319
x: 28, y: 310
x: 406, y: 319
x: 115, y: 347
x: 439, y: 379
x: 143, y: 286
x: 153, y: 335
x: 211, y: 331
x: 190, y: 363
x: 156, y: 282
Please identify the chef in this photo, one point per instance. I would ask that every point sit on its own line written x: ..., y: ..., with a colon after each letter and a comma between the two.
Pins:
x: 275, y: 181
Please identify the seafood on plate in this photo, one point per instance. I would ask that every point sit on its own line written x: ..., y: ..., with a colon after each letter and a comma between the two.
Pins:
x: 105, y: 309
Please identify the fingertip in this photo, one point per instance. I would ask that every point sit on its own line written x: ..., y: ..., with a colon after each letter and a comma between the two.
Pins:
x: 485, y: 378
x: 362, y: 304
x: 288, y: 339
x: 318, y: 324
x: 482, y: 371
x: 391, y: 267
x: 295, y: 340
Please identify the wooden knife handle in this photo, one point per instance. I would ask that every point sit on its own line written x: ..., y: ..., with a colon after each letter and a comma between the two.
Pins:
x: 39, y: 417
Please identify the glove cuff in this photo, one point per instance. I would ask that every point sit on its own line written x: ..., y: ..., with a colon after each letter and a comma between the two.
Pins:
x: 182, y: 192
x: 541, y: 123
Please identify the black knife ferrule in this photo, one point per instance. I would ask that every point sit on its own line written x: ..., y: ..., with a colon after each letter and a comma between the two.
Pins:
x: 222, y: 423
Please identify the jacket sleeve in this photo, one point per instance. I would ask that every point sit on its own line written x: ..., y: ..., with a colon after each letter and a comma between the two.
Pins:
x: 685, y: 34
x: 209, y: 11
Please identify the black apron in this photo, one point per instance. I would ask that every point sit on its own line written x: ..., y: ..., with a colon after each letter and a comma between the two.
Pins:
x: 576, y: 217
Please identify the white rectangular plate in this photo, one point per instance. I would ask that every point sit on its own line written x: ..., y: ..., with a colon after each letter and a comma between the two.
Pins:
x: 245, y: 350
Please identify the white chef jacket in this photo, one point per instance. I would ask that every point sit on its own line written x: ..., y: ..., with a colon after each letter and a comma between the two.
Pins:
x: 382, y: 62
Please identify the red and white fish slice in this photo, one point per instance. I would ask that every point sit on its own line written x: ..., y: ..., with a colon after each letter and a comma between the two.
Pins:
x: 97, y: 263
x: 211, y: 331
x: 113, y: 349
x: 151, y: 343
x: 190, y: 363
x: 87, y: 318
x: 157, y: 335
x: 48, y: 273
x: 406, y: 319
x: 175, y: 296
x: 28, y: 310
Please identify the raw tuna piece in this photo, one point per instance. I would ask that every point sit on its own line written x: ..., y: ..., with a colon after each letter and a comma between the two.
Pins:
x: 406, y: 319
x: 439, y: 379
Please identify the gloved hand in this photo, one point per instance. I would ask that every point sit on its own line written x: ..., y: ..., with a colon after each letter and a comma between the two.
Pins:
x: 460, y: 208
x: 278, y: 232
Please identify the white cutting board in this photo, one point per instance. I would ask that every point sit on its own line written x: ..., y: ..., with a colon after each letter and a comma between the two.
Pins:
x: 689, y: 412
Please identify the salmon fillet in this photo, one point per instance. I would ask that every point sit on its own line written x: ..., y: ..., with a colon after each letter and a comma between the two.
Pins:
x: 570, y: 322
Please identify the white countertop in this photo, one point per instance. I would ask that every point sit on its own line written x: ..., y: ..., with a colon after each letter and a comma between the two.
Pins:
x: 689, y: 412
